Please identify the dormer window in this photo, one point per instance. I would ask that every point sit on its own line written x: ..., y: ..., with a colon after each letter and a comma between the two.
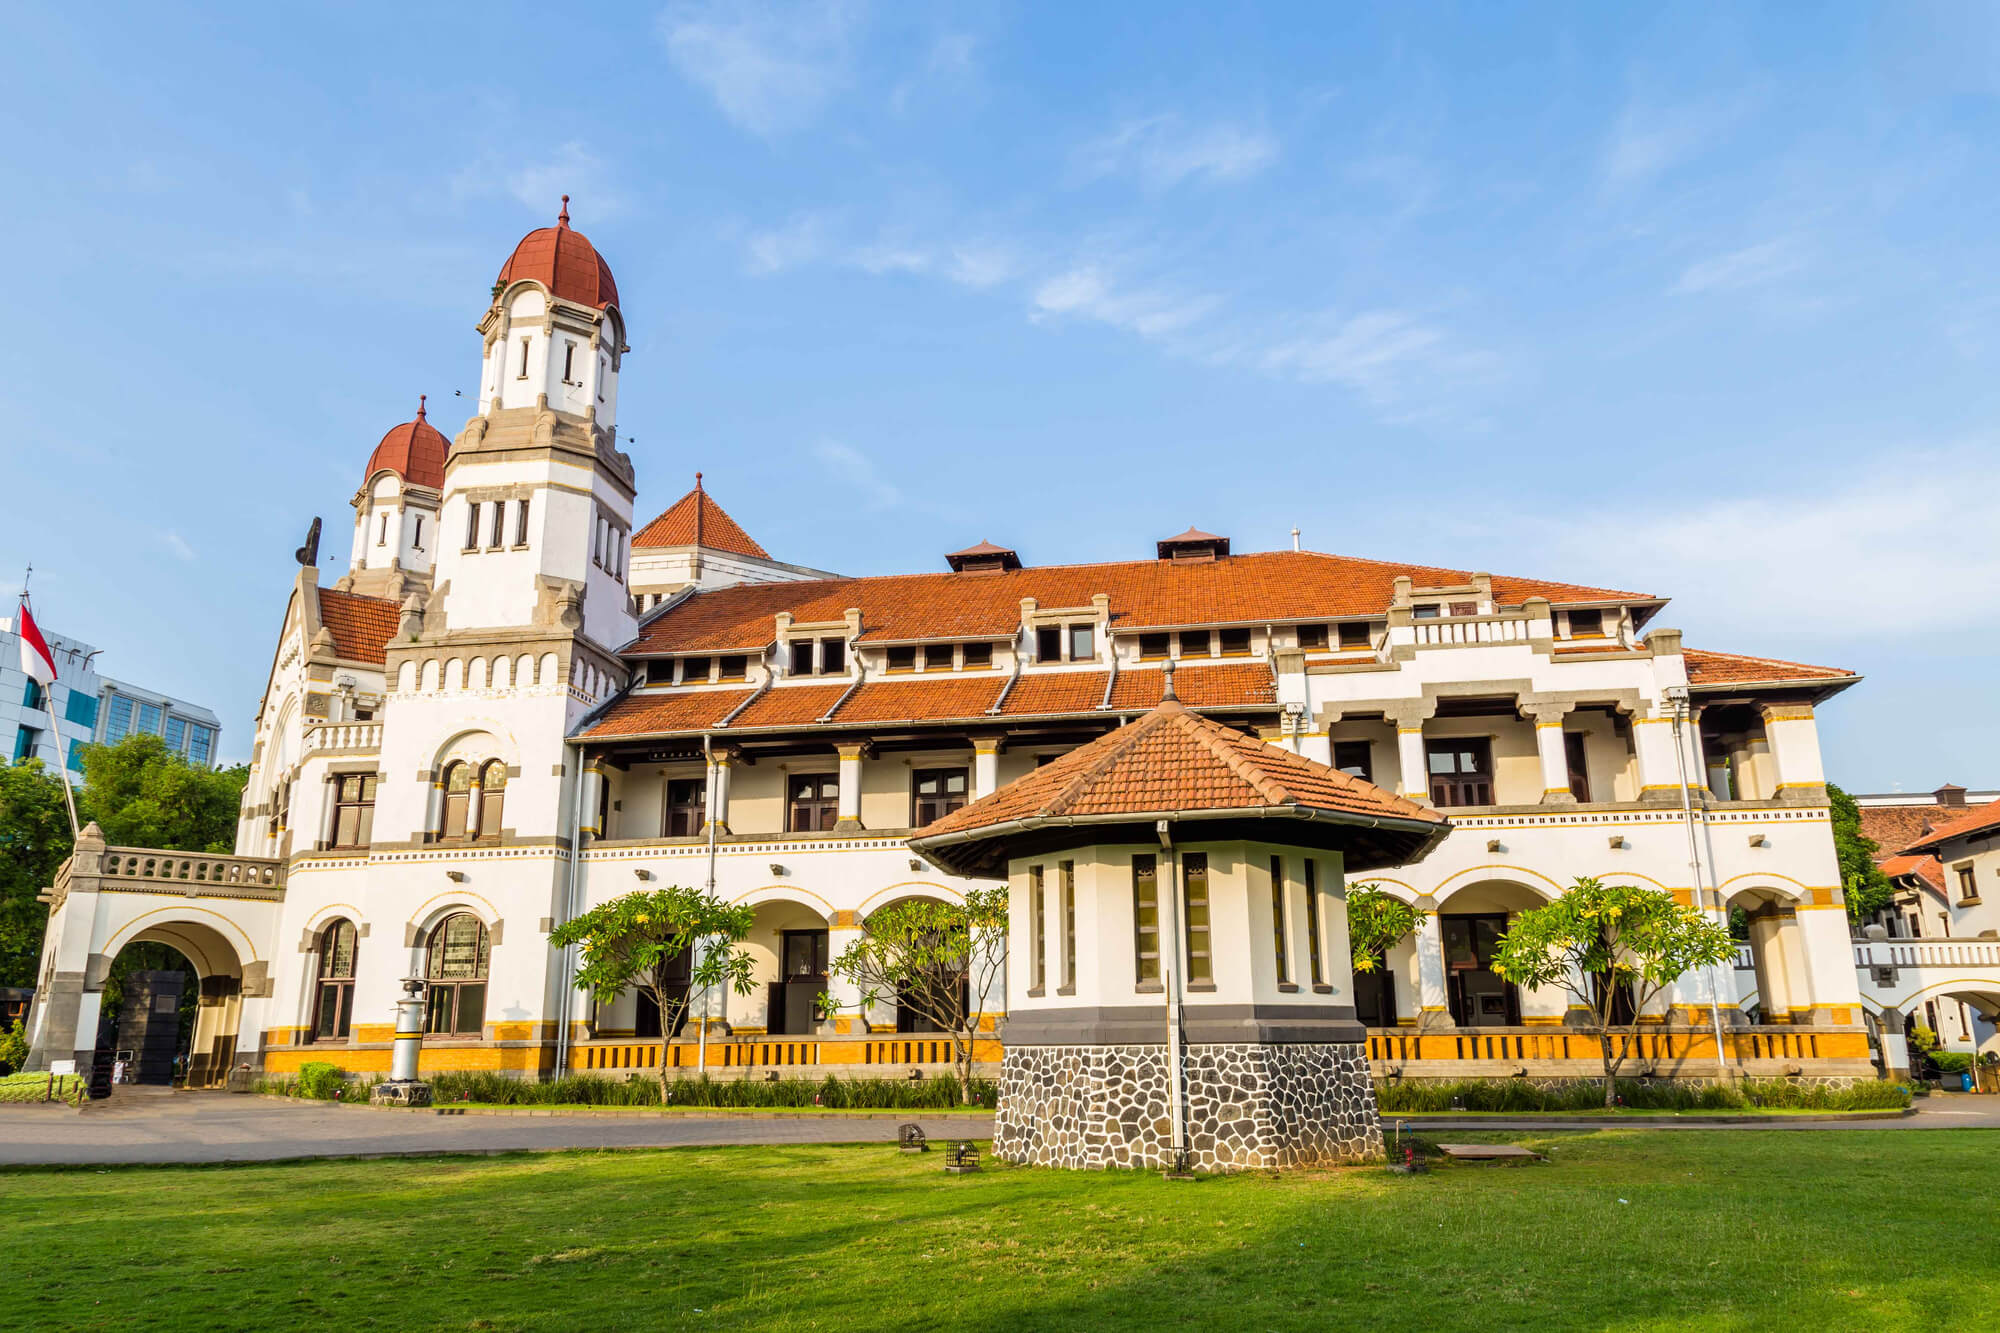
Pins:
x: 832, y: 656
x: 1354, y: 636
x: 802, y: 657
x: 1312, y: 638
x: 1082, y: 642
x: 1079, y: 638
x: 694, y: 671
x: 1426, y: 611
x: 1194, y: 643
x: 1235, y: 643
x: 1048, y: 643
x: 937, y: 657
x: 660, y: 673
x: 1586, y: 624
x: 733, y: 667
x: 978, y: 655
x: 903, y: 658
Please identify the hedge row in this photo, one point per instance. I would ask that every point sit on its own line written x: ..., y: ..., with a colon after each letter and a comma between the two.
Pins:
x: 325, y: 1082
x: 1657, y: 1095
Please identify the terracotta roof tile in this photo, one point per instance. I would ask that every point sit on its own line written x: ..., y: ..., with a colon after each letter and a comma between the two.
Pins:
x: 1173, y: 760
x: 646, y: 714
x: 1706, y: 668
x: 564, y: 261
x: 1278, y: 586
x: 697, y: 520
x: 790, y: 706
x: 1055, y: 692
x: 1983, y: 819
x: 1894, y: 827
x: 921, y: 700
x: 1231, y: 684
x: 1926, y: 868
x: 361, y: 626
x: 413, y: 451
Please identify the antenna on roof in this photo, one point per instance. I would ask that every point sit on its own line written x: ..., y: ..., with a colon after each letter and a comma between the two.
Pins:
x: 1295, y: 539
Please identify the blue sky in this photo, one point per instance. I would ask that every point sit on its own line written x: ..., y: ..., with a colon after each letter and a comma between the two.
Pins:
x: 1691, y: 301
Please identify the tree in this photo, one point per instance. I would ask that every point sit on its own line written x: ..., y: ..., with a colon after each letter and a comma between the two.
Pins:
x: 636, y: 941
x: 939, y: 960
x: 144, y: 795
x: 1600, y: 940
x: 1375, y: 922
x: 34, y: 842
x: 1862, y: 882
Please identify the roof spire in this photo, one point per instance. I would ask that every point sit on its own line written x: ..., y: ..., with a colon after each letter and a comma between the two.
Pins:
x: 420, y: 405
x: 699, y: 495
x: 1167, y: 695
x: 562, y: 218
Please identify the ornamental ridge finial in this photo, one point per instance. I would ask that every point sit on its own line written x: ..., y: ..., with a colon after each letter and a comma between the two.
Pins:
x: 562, y: 218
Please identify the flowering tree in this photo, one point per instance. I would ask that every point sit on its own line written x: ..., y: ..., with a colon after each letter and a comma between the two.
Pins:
x: 940, y: 960
x: 635, y: 941
x: 1376, y: 921
x: 1599, y: 940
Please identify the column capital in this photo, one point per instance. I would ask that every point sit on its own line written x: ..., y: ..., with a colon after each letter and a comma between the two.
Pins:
x: 988, y: 744
x: 1777, y: 712
x: 855, y: 749
x: 1410, y: 715
x: 1545, y: 712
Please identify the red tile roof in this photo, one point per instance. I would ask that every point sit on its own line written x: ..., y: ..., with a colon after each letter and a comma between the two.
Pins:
x: 1232, y: 684
x: 1926, y: 868
x: 1048, y: 693
x: 920, y: 700
x: 1274, y: 586
x: 564, y: 261
x: 1982, y: 819
x: 1172, y: 761
x: 697, y: 520
x: 361, y: 626
x: 1706, y: 668
x: 651, y: 714
x: 413, y: 451
x: 791, y: 706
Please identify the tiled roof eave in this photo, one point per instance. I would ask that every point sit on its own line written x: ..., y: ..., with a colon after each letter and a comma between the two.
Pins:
x: 984, y: 721
x: 1434, y: 829
x: 1776, y: 682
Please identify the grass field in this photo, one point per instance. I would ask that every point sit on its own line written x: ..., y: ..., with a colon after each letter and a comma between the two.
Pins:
x: 1820, y: 1230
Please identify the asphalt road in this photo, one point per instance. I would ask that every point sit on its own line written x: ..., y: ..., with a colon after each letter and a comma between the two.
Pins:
x: 148, y: 1126
x: 157, y: 1126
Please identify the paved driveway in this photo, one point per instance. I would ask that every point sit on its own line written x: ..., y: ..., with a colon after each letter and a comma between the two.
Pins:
x: 146, y: 1125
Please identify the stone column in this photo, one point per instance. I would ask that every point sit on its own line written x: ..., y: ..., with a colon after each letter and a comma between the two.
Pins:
x: 843, y: 928
x: 1432, y: 1009
x: 719, y: 763
x: 1550, y: 745
x: 1895, y: 1046
x: 1653, y: 747
x: 593, y: 783
x: 62, y: 1025
x: 329, y: 810
x: 851, y: 754
x: 985, y: 766
x: 1826, y: 947
x: 1414, y: 778
x: 475, y: 803
x: 1794, y: 741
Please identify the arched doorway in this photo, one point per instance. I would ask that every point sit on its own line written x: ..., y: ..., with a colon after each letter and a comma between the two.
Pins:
x: 1765, y: 920
x: 1471, y: 922
x: 189, y: 978
x: 789, y: 948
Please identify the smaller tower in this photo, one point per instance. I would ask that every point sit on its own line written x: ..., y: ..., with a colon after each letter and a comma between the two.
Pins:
x: 396, y: 511
x: 553, y: 335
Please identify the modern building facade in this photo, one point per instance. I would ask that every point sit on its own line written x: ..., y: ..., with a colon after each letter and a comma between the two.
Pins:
x: 523, y: 699
x: 53, y: 724
x: 189, y: 730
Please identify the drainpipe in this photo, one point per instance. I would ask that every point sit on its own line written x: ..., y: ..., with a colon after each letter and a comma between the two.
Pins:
x: 1170, y: 972
x: 569, y: 914
x: 1679, y: 699
x: 708, y: 805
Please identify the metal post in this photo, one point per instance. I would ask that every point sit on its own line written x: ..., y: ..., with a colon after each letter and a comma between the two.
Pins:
x: 1679, y: 699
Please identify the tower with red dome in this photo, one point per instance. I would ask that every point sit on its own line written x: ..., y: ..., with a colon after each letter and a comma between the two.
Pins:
x: 396, y: 511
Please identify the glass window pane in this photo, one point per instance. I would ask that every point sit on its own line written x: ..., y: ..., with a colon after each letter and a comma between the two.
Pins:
x: 471, y: 1009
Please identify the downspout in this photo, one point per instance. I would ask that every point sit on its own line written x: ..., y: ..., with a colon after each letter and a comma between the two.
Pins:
x: 1171, y: 974
x: 708, y: 805
x: 1678, y: 697
x: 569, y: 914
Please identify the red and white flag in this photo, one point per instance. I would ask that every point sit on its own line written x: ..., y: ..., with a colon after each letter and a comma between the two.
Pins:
x: 36, y: 659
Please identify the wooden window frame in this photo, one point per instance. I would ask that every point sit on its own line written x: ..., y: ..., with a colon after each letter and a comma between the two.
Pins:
x: 1576, y: 759
x: 1367, y: 764
x: 1145, y: 897
x: 1234, y: 642
x: 944, y: 801
x: 1593, y: 617
x: 1156, y: 647
x: 1200, y: 962
x: 1187, y: 638
x: 689, y: 810
x: 1080, y: 641
x: 1356, y: 636
x: 455, y: 987
x: 1048, y: 643
x: 329, y: 983
x: 812, y: 802
x: 900, y: 658
x: 832, y: 656
x: 1068, y: 907
x: 978, y: 656
x: 1038, y: 955
x: 1312, y: 638
x: 1280, y: 946
x: 1315, y: 945
x: 1447, y: 790
x: 361, y: 802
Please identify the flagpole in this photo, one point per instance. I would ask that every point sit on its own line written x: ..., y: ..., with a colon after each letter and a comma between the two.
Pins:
x: 55, y: 721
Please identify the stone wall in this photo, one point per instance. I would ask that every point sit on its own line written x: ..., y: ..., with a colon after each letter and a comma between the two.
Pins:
x: 1248, y: 1106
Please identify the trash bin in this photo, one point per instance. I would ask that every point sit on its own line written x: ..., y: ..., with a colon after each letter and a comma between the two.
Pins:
x: 1965, y: 1082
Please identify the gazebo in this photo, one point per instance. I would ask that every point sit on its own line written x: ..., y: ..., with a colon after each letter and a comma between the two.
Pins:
x: 1179, y: 982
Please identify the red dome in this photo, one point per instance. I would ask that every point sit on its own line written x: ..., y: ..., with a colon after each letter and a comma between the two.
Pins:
x: 413, y: 451
x: 564, y: 261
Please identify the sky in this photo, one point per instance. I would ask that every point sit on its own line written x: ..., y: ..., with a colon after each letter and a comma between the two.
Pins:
x: 1693, y: 301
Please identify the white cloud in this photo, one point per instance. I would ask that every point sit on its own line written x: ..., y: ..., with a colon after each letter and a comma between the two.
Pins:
x: 1162, y: 151
x: 859, y: 471
x: 540, y: 183
x: 800, y: 241
x: 1652, y: 139
x: 178, y: 545
x: 1089, y: 292
x: 1751, y: 266
x: 1907, y: 545
x: 769, y: 66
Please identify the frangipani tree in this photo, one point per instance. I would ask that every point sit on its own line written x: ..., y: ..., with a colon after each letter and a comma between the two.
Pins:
x: 1599, y: 939
x: 633, y: 942
x: 941, y: 960
x: 1377, y: 921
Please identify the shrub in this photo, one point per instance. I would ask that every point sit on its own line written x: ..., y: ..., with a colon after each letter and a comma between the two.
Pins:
x: 1952, y: 1062
x: 319, y: 1080
x: 13, y: 1048
x: 589, y: 1090
x: 1657, y: 1095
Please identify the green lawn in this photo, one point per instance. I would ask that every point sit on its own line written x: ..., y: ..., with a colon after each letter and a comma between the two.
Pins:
x: 1820, y: 1230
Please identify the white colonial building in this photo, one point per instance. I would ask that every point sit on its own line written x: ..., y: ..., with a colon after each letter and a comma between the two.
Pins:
x: 523, y: 699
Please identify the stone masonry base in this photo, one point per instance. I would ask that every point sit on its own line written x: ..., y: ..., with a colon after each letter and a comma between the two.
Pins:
x: 1249, y: 1106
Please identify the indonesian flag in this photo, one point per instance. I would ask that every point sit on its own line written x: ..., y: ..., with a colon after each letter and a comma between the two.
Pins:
x: 36, y: 659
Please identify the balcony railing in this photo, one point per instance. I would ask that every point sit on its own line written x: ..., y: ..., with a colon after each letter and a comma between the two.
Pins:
x: 1548, y: 1045
x: 1954, y: 953
x: 1451, y: 631
x: 343, y: 737
x: 191, y: 872
x: 811, y: 1057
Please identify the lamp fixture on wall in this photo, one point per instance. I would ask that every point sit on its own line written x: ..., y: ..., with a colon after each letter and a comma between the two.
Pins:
x: 455, y: 876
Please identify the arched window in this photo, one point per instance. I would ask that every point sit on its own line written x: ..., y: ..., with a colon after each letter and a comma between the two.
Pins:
x: 457, y: 800
x: 492, y: 794
x: 333, y: 1002
x: 455, y: 965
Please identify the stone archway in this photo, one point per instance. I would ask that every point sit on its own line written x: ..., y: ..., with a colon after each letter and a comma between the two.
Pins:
x: 1470, y: 919
x: 219, y: 972
x: 1782, y: 979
